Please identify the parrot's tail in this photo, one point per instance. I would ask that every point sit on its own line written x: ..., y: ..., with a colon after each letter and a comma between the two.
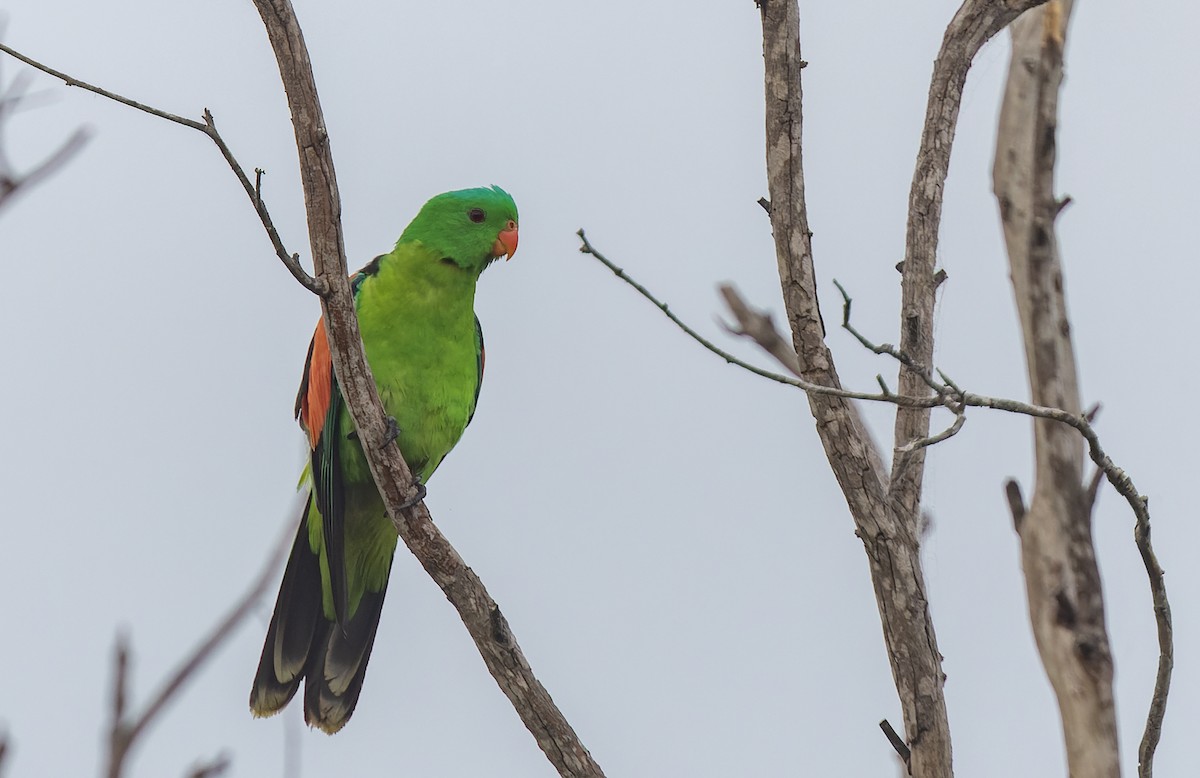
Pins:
x: 302, y: 643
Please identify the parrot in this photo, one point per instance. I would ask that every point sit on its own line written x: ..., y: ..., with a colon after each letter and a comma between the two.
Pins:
x: 424, y: 344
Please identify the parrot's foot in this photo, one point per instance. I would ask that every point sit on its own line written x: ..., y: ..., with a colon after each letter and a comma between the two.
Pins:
x: 393, y: 432
x: 416, y: 498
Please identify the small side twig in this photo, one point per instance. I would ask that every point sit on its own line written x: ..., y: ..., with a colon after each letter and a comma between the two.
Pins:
x: 915, y: 445
x: 211, y: 768
x: 759, y: 327
x: 124, y: 732
x: 898, y: 743
x: 884, y: 348
x: 1166, y: 642
x: 1016, y: 502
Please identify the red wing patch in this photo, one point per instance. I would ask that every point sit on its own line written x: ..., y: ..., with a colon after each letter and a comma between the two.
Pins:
x: 317, y: 387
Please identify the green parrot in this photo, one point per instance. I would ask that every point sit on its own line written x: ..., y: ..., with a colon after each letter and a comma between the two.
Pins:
x: 425, y: 347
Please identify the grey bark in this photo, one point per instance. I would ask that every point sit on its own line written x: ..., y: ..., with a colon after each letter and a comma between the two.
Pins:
x: 1058, y: 557
x: 885, y: 506
x: 479, y: 613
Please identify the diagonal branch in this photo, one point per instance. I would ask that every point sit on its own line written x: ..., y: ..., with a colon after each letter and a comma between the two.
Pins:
x: 890, y: 536
x: 10, y: 180
x: 588, y: 248
x: 480, y: 614
x: 124, y: 733
x: 211, y: 768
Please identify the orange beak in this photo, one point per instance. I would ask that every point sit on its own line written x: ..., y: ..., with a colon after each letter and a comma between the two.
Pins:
x: 506, y: 242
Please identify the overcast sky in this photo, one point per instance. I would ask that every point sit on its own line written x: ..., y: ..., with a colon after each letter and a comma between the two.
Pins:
x: 660, y: 528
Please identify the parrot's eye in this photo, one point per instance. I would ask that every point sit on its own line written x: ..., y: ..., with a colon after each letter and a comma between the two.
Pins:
x: 476, y: 215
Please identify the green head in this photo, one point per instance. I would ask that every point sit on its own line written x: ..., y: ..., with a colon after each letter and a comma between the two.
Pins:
x: 470, y: 226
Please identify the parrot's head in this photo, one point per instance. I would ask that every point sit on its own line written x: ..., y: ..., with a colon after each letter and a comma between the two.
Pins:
x: 472, y: 227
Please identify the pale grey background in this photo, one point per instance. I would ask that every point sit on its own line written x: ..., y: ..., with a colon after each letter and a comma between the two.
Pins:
x: 661, y: 529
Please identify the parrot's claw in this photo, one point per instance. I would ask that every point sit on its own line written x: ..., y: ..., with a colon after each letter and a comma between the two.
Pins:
x: 416, y: 498
x: 393, y: 432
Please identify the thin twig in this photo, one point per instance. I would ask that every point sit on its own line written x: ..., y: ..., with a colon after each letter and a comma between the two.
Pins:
x: 71, y: 81
x: 1166, y: 645
x: 118, y: 742
x: 292, y: 261
x: 745, y: 326
x: 898, y: 743
x: 950, y: 396
x: 913, y: 445
x: 588, y: 248
x: 124, y: 733
x: 884, y: 348
x: 10, y: 181
x: 210, y: 769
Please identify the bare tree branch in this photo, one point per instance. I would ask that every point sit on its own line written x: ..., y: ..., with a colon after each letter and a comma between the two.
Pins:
x: 480, y: 614
x: 11, y: 182
x: 211, y: 768
x: 758, y: 326
x: 1058, y: 557
x: 588, y: 248
x: 209, y: 128
x: 889, y: 535
x: 124, y: 733
x: 974, y: 25
x: 886, y: 508
x: 1166, y: 647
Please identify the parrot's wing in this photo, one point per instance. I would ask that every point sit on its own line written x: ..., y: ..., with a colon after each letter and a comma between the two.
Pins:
x: 318, y: 406
x: 480, y: 359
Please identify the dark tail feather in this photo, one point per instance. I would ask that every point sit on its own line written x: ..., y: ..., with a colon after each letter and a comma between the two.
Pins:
x: 294, y: 631
x: 338, y: 664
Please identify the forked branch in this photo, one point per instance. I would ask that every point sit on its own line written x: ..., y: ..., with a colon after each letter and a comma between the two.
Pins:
x: 124, y: 731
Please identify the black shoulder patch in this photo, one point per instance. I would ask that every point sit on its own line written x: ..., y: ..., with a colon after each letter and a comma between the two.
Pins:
x: 372, y: 267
